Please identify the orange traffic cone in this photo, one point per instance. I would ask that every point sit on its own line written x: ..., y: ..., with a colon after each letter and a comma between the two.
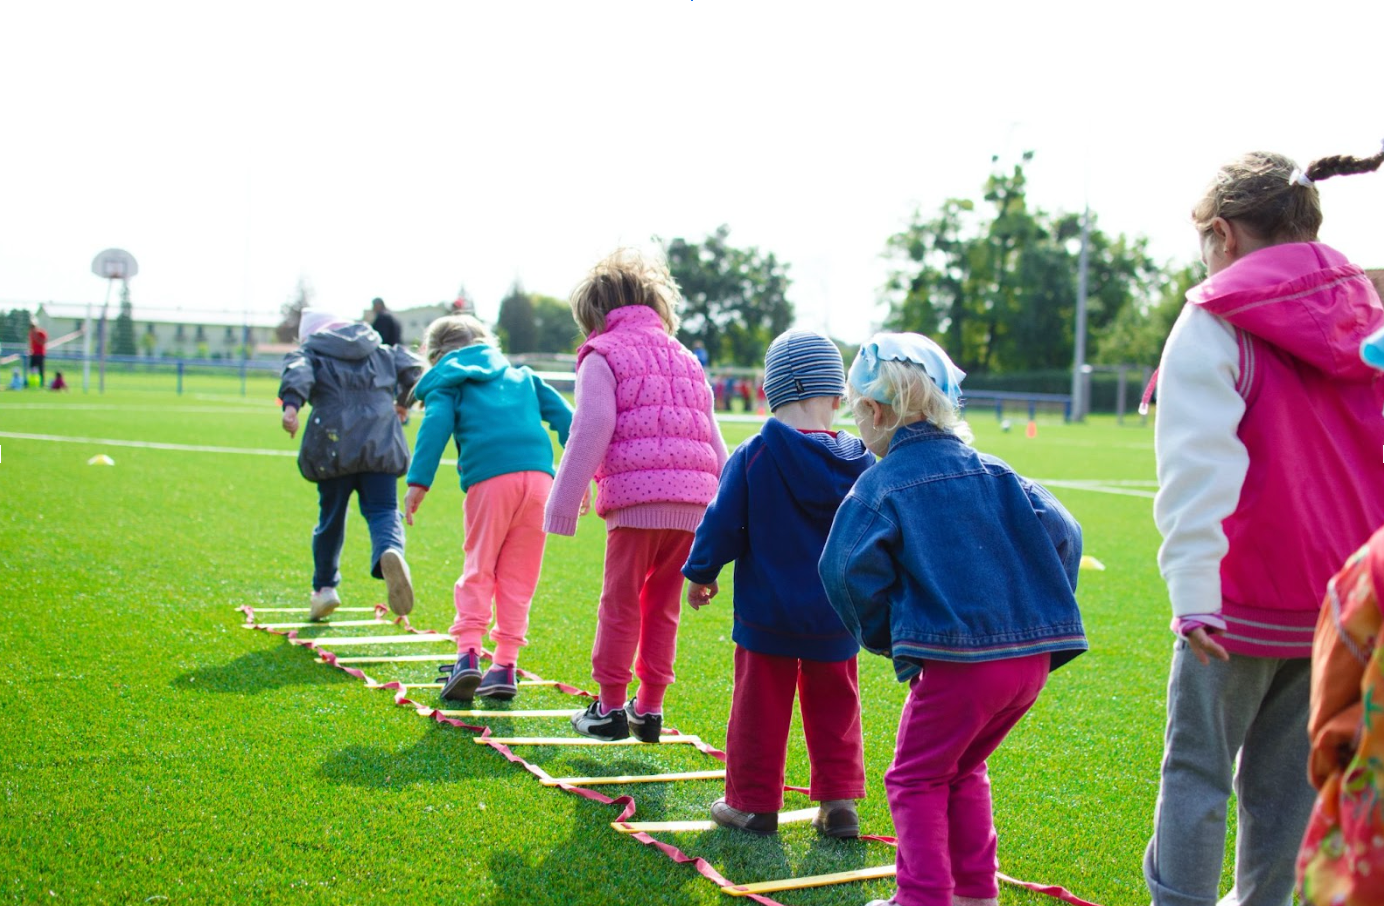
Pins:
x: 1032, y: 429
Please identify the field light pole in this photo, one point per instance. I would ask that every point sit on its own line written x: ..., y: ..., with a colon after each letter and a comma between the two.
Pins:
x: 1080, y: 369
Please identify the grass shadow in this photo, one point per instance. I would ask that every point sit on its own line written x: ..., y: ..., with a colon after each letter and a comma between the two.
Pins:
x: 257, y: 671
x: 442, y: 755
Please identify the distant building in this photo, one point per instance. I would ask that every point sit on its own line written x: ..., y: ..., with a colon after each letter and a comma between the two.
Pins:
x: 194, y: 334
x: 414, y: 321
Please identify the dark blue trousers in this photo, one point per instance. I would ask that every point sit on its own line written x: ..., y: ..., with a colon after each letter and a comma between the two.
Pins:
x: 378, y: 496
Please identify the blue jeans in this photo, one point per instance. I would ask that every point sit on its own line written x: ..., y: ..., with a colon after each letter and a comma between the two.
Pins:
x: 379, y: 503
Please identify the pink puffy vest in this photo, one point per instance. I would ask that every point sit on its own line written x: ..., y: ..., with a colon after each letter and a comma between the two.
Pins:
x: 1314, y: 432
x: 661, y: 451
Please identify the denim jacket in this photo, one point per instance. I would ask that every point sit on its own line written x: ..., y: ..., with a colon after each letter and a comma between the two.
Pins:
x: 943, y: 553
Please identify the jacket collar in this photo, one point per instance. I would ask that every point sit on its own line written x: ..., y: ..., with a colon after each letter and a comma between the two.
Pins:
x: 920, y: 431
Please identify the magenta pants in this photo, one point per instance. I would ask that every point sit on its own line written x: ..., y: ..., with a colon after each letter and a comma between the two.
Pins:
x: 637, y: 623
x: 938, y: 788
x: 504, y: 556
x: 761, y: 713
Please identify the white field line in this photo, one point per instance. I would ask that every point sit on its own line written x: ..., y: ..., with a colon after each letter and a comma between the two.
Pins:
x: 1102, y: 487
x: 104, y: 407
x: 154, y: 445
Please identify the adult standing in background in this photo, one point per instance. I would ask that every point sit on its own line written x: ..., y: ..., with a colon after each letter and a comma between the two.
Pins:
x: 38, y: 349
x: 385, y: 324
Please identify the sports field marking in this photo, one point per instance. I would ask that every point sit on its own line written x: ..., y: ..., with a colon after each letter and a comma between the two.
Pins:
x: 840, y: 877
x: 640, y: 827
x: 1119, y: 488
x: 145, y: 444
x: 673, y: 739
x: 635, y: 778
x: 98, y: 407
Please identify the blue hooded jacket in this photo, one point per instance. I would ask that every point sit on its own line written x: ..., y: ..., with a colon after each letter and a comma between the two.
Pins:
x: 778, y: 495
x: 494, y: 411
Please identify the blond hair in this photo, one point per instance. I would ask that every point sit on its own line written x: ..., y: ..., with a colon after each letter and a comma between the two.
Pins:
x: 625, y: 277
x: 914, y: 398
x: 451, y: 332
x: 1259, y: 191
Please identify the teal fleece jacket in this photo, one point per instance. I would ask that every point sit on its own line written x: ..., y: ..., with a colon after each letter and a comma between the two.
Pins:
x: 495, y: 412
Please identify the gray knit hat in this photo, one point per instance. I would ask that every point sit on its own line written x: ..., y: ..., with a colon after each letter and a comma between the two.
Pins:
x: 801, y: 364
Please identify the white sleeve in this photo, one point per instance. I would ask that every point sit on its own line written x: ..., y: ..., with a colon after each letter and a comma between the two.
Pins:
x: 1201, y: 461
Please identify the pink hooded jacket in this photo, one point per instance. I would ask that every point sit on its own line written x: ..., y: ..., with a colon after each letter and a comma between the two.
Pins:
x: 1313, y: 428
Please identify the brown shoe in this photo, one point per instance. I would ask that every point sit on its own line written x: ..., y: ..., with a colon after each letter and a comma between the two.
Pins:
x: 765, y: 824
x: 837, y: 818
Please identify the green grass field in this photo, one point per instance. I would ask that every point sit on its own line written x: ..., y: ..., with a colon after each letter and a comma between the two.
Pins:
x: 156, y: 752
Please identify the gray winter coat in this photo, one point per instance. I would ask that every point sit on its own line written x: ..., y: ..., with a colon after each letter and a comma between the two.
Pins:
x: 352, y: 381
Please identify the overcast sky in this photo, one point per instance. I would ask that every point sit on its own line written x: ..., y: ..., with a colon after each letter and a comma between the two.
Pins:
x: 402, y: 150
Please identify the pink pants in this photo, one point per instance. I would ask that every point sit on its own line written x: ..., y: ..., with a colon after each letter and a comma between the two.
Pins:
x: 640, y: 606
x: 761, y: 712
x: 504, y: 556
x: 939, y: 792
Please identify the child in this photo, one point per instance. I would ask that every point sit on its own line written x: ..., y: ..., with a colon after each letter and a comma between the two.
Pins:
x: 16, y: 382
x: 1268, y: 425
x: 352, y: 443
x: 58, y: 382
x: 962, y: 572
x: 644, y: 428
x: 495, y: 412
x: 778, y: 494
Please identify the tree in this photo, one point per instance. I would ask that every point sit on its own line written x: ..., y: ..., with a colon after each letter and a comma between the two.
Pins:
x: 998, y: 289
x: 14, y: 327
x: 292, y: 310
x: 555, y: 327
x: 123, y: 332
x: 735, y: 300
x: 1137, y: 334
x: 516, y: 325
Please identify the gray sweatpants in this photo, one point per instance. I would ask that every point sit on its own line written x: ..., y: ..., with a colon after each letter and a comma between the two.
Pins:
x: 1256, y: 708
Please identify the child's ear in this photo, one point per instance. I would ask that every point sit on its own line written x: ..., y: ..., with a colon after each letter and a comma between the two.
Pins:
x: 835, y: 403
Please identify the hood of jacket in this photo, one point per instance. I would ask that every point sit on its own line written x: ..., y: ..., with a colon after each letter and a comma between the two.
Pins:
x: 351, y: 342
x: 1303, y: 297
x: 812, y: 465
x: 477, y: 362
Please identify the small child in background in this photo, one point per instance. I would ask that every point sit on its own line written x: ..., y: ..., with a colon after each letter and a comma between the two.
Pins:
x: 352, y: 444
x: 16, y: 381
x: 779, y: 493
x: 495, y: 412
x: 1267, y: 442
x: 962, y: 572
x: 644, y: 428
x: 58, y: 382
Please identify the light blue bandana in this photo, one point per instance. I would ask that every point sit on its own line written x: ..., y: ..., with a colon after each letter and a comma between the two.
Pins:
x: 1372, y: 349
x: 905, y: 347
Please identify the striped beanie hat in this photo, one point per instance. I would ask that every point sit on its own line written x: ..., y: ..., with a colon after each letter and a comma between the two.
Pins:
x: 801, y: 364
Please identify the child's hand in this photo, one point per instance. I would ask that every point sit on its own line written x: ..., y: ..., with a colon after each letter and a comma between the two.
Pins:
x: 290, y: 420
x: 402, y: 412
x: 701, y: 595
x: 1205, y: 647
x: 412, y: 500
x: 585, y: 502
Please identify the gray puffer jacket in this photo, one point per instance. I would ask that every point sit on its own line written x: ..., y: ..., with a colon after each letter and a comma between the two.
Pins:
x: 352, y: 381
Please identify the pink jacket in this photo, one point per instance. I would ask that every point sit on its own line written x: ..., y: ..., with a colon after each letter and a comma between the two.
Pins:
x: 1312, y: 426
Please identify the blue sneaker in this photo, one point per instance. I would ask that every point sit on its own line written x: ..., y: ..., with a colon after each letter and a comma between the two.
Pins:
x: 498, y: 683
x: 462, y: 677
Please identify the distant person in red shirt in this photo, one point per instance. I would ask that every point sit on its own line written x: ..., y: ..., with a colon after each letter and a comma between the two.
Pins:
x: 58, y: 382
x: 38, y: 346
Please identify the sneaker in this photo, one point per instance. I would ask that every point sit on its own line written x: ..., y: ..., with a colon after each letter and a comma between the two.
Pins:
x: 498, y: 683
x: 324, y: 601
x: 648, y: 727
x: 765, y: 824
x: 837, y: 818
x: 462, y: 677
x: 596, y: 725
x: 397, y: 581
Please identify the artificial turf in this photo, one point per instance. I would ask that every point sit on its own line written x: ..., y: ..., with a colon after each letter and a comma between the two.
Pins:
x: 154, y: 751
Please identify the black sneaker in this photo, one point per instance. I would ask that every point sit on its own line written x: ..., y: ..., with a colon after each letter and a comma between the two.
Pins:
x: 498, y: 683
x: 837, y: 818
x: 765, y: 824
x: 647, y: 727
x: 462, y: 677
x: 596, y: 725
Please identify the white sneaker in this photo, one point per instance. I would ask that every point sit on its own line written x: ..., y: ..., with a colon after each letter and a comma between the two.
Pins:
x: 397, y: 581
x: 324, y: 601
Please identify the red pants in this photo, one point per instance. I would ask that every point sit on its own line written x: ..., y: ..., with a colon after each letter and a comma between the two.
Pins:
x: 939, y: 791
x: 640, y: 606
x: 761, y: 712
